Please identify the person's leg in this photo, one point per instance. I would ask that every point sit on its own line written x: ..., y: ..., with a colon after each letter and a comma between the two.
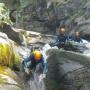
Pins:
x: 39, y: 68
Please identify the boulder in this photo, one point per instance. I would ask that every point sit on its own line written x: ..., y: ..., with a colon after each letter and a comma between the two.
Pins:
x: 12, y: 34
x: 66, y: 71
x: 8, y: 79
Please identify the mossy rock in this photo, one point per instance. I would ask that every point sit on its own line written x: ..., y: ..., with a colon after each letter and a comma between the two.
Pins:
x: 7, y: 55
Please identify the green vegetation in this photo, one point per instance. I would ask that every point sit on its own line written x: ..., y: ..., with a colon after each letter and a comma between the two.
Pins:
x: 7, y: 55
x: 4, y: 14
x: 24, y: 3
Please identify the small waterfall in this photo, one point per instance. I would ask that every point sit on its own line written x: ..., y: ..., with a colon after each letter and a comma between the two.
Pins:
x: 62, y: 63
x: 87, y: 52
x: 35, y: 83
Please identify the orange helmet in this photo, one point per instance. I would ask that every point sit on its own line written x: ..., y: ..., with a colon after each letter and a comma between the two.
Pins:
x: 37, y: 55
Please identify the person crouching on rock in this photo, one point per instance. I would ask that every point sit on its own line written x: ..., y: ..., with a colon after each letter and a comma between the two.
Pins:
x: 61, y: 38
x: 35, y: 62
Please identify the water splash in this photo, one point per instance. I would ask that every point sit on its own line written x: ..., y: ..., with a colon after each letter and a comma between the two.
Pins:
x: 68, y: 60
x: 35, y: 84
x: 87, y: 44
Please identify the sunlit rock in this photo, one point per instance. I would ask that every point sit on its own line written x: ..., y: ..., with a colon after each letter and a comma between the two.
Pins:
x: 6, y: 51
x: 8, y: 79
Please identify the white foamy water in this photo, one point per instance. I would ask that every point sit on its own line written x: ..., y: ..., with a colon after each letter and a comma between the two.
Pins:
x: 87, y: 44
x: 36, y: 85
x: 37, y: 82
x: 45, y: 49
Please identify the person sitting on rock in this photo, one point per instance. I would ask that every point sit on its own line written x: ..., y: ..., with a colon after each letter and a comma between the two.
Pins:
x: 35, y: 62
x: 61, y: 38
x: 76, y: 37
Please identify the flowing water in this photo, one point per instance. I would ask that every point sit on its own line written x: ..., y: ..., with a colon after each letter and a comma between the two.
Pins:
x: 35, y: 84
x: 63, y: 63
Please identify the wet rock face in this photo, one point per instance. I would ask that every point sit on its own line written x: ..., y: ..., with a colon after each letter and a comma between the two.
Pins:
x: 65, y: 72
x: 87, y: 9
x: 54, y: 14
x: 87, y: 37
x: 47, y: 15
x: 13, y: 4
x: 15, y: 36
x: 83, y: 27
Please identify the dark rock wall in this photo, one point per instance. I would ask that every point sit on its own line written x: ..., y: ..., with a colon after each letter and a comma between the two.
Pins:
x: 65, y: 72
x: 47, y: 16
x: 13, y: 35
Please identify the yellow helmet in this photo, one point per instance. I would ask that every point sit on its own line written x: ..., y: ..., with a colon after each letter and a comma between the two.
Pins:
x: 37, y: 55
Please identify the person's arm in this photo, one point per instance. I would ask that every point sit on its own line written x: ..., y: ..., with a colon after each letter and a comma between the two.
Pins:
x: 27, y: 62
x: 24, y: 63
x: 57, y: 39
